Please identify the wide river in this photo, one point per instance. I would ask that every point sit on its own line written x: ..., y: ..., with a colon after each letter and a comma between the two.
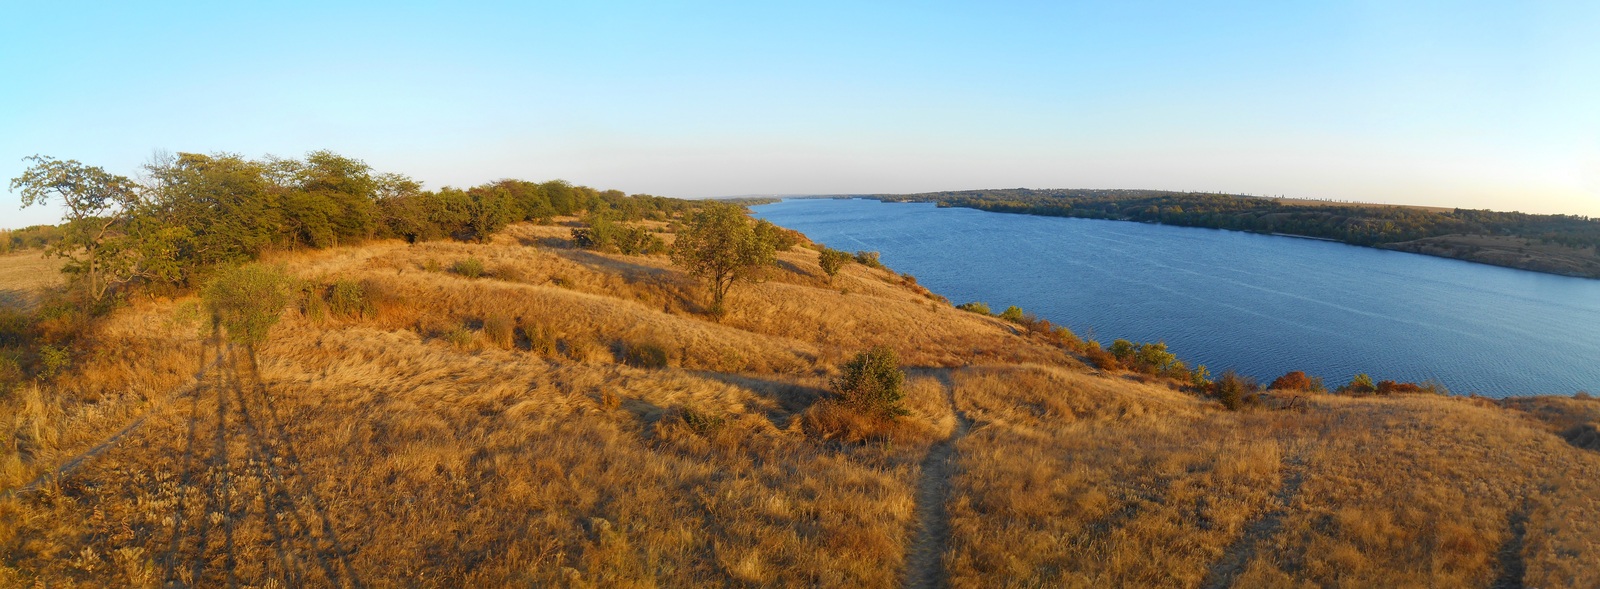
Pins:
x: 1261, y: 304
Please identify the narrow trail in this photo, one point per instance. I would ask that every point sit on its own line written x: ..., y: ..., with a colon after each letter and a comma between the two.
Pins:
x: 1228, y: 568
x: 923, y: 566
x: 1512, y: 566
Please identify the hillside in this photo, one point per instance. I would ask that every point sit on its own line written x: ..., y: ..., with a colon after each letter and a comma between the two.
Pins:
x: 1557, y: 244
x: 574, y: 418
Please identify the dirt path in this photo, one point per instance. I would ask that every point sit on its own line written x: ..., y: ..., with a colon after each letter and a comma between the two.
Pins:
x: 923, y: 566
x: 1512, y: 565
x: 1228, y: 568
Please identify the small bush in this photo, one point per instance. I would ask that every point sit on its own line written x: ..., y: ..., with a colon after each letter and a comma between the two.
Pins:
x: 312, y: 306
x: 872, y: 383
x: 1233, y: 390
x: 470, y: 268
x: 644, y: 355
x: 1100, y: 358
x: 832, y: 261
x: 462, y: 338
x: 1123, y: 350
x: 348, y: 298
x: 541, y: 340
x: 975, y: 307
x: 701, y: 422
x: 1296, y: 381
x: 1013, y: 314
x: 1359, y: 384
x: 500, y: 330
x: 1200, y: 377
x: 869, y: 259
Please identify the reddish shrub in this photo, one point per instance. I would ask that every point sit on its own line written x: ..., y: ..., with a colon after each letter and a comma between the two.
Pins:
x: 1296, y: 381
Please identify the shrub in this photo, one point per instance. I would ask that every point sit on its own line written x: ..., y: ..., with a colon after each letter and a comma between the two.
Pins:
x: 312, y: 306
x: 832, y: 261
x: 701, y: 422
x: 869, y: 259
x: 1100, y: 358
x: 1391, y: 387
x: 461, y: 337
x: 541, y: 340
x: 500, y: 330
x: 1012, y: 314
x: 470, y: 268
x: 1359, y: 384
x: 1296, y: 381
x: 348, y: 298
x: 1200, y: 378
x: 246, y: 301
x: 872, y: 383
x: 1153, y: 358
x: 1233, y: 389
x: 782, y: 239
x: 644, y: 355
x: 1123, y: 350
x: 975, y: 307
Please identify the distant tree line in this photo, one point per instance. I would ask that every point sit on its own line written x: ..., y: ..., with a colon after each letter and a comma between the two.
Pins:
x: 1353, y: 224
x: 190, y: 213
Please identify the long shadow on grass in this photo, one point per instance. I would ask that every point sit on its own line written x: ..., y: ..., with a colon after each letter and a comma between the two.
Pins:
x: 790, y: 399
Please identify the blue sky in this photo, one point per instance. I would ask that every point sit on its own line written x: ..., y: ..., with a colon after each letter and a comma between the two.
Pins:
x: 1443, y: 103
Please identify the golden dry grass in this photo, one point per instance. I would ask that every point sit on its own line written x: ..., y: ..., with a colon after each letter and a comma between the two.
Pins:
x: 23, y: 274
x: 418, y: 445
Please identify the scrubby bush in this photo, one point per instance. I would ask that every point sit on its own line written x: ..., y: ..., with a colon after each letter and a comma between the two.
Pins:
x: 832, y: 261
x: 1123, y: 350
x: 1296, y: 381
x: 462, y: 337
x: 1233, y: 390
x: 246, y: 302
x: 1200, y: 377
x: 1101, y: 358
x: 975, y: 307
x: 644, y: 355
x: 541, y: 340
x: 701, y: 422
x: 782, y: 239
x: 348, y: 298
x: 1154, y: 359
x: 868, y: 259
x: 872, y: 383
x: 470, y: 268
x: 500, y: 330
x: 1359, y: 384
x: 1013, y: 314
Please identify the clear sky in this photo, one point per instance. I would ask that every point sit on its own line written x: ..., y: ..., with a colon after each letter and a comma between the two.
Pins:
x: 1473, y: 104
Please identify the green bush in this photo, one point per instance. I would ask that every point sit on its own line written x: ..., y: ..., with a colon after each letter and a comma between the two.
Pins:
x: 872, y: 383
x: 246, y: 301
x: 701, y: 422
x: 1359, y: 384
x: 470, y: 268
x: 1013, y: 314
x: 832, y: 261
x: 1123, y: 350
x: 975, y: 307
x: 869, y: 259
x: 348, y: 298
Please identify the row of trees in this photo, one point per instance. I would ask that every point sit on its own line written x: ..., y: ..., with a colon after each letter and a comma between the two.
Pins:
x: 189, y: 213
x: 1353, y: 224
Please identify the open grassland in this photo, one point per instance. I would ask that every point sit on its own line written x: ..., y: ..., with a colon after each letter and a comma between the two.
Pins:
x: 23, y: 273
x: 573, y: 418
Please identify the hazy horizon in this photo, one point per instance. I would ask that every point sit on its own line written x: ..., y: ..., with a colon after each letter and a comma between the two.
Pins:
x: 1472, y: 105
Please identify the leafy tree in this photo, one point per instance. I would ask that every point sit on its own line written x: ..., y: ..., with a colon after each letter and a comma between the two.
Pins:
x: 1154, y: 358
x: 1360, y: 383
x: 719, y: 244
x: 1296, y: 381
x: 1123, y: 350
x: 832, y: 261
x: 97, y: 203
x: 872, y: 383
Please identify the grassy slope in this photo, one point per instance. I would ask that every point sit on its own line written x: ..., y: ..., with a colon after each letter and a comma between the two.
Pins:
x: 408, y: 449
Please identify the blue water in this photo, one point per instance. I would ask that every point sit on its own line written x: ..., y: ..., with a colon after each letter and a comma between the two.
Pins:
x: 1261, y: 304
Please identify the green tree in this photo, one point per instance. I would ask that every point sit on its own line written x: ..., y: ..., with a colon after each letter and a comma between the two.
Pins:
x: 832, y: 261
x: 97, y: 205
x: 872, y: 383
x: 1123, y: 350
x: 719, y: 244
